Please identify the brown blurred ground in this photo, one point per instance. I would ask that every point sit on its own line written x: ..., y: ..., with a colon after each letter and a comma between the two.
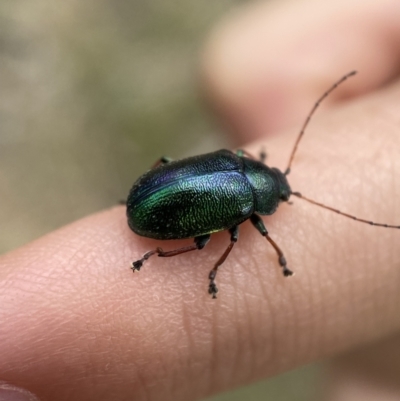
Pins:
x: 91, y: 94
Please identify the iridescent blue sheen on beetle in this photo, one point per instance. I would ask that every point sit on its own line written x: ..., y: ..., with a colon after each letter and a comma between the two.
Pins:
x: 201, y: 195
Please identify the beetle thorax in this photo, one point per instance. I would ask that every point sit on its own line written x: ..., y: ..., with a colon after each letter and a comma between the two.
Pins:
x: 270, y: 186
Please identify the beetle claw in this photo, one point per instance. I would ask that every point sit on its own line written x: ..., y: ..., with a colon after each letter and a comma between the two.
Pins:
x: 137, y: 265
x: 213, y: 289
x: 287, y: 272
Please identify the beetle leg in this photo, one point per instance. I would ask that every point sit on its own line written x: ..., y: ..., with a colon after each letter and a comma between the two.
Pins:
x: 199, y: 243
x: 162, y: 160
x: 213, y: 289
x: 263, y: 155
x: 242, y: 152
x: 259, y: 225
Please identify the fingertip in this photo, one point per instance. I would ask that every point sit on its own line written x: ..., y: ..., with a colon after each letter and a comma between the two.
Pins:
x: 266, y: 64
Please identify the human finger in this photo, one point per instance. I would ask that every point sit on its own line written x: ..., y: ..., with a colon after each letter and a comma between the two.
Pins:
x: 268, y: 62
x: 76, y: 324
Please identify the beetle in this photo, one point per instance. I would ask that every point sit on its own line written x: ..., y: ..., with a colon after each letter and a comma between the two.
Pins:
x: 198, y: 196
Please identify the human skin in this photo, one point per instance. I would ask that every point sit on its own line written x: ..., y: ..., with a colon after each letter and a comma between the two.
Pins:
x: 77, y: 325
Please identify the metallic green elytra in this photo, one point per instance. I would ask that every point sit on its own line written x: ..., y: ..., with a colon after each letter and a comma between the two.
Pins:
x: 201, y: 195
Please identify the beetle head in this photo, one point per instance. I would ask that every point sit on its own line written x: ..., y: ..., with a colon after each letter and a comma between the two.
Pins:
x: 284, y: 187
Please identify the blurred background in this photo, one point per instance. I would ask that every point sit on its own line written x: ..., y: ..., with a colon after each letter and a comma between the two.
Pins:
x: 91, y: 94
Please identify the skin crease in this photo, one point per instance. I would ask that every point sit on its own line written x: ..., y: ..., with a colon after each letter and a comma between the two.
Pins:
x: 77, y: 325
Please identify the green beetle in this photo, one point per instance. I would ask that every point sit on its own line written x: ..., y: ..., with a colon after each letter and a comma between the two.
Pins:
x: 201, y: 195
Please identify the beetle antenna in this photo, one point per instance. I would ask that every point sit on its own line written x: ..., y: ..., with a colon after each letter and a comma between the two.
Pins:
x: 316, y: 105
x: 371, y: 223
